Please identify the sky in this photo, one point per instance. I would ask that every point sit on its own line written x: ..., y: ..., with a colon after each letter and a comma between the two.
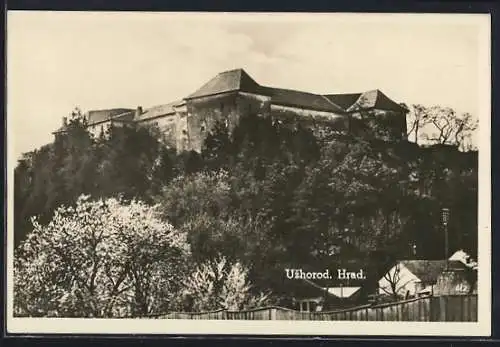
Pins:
x: 57, y: 61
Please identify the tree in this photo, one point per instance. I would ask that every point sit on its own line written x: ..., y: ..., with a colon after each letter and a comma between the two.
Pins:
x: 395, y: 282
x: 217, y: 146
x: 127, y: 161
x: 446, y: 127
x: 188, y: 196
x: 129, y: 158
x: 220, y: 284
x: 417, y: 119
x: 100, y: 258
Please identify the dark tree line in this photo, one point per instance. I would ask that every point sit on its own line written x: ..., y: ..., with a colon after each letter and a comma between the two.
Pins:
x: 269, y: 194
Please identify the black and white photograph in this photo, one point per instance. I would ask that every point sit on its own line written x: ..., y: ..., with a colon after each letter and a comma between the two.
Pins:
x: 248, y: 173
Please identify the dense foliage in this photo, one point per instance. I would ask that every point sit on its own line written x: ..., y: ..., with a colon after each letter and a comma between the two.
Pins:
x: 267, y: 196
x: 100, y: 259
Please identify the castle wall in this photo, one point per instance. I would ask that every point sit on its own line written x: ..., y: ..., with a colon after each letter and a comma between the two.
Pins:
x: 97, y: 128
x: 204, y: 113
x: 167, y: 125
x: 187, y: 129
x: 182, y: 135
x: 311, y: 118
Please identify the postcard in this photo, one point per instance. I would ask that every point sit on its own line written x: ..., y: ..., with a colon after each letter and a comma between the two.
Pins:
x: 248, y: 173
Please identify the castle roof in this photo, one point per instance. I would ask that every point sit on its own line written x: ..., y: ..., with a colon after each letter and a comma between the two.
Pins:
x: 295, y: 98
x: 99, y: 116
x: 227, y: 81
x: 124, y: 117
x: 158, y: 111
x: 375, y: 99
x: 239, y: 80
x: 343, y: 100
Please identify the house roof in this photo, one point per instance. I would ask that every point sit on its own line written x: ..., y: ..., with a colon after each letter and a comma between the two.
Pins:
x: 343, y: 292
x: 460, y: 255
x: 227, y: 81
x: 465, y: 258
x: 343, y: 100
x: 429, y: 270
x: 157, y: 111
x: 98, y: 116
x: 375, y: 99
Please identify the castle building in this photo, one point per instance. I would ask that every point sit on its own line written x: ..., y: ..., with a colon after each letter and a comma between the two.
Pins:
x: 233, y: 94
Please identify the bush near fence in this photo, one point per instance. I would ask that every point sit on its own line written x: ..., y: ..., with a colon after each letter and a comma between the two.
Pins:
x: 449, y: 308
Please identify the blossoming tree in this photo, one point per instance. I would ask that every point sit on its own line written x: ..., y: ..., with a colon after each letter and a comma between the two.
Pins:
x: 100, y: 258
x: 221, y: 284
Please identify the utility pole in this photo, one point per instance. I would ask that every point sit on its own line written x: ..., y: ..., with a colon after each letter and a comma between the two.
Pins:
x: 445, y: 216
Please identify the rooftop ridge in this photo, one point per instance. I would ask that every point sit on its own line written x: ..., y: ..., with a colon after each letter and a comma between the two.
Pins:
x: 331, y: 102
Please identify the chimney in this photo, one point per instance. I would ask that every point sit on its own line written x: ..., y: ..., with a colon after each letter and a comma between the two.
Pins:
x: 138, y: 111
x: 65, y: 121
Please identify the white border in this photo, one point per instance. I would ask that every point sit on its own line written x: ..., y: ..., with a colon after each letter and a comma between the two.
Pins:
x: 186, y: 327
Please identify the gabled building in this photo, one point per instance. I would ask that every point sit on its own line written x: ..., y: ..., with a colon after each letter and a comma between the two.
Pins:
x: 409, y: 278
x: 233, y: 94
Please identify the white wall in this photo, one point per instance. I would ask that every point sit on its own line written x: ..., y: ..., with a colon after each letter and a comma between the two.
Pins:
x: 305, y: 113
x: 405, y: 281
x: 96, y: 129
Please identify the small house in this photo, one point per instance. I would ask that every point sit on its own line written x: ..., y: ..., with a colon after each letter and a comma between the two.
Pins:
x: 410, y: 278
x: 465, y: 258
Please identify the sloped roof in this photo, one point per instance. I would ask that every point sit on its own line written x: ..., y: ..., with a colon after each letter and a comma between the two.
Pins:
x: 429, y: 270
x: 464, y: 258
x: 375, y: 99
x: 460, y: 255
x: 227, y: 81
x: 239, y: 80
x: 343, y: 100
x: 98, y: 116
x: 312, y: 288
x: 157, y: 111
x: 295, y: 98
x: 343, y: 292
x: 125, y: 117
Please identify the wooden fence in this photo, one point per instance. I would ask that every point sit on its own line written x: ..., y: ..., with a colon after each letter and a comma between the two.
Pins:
x: 450, y: 308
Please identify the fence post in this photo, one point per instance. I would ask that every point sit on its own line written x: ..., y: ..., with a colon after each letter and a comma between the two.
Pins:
x: 443, y: 304
x: 432, y: 309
